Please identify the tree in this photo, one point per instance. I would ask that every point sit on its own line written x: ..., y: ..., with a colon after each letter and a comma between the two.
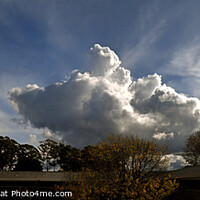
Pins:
x: 191, y: 152
x: 86, y: 161
x: 49, y: 152
x: 69, y: 158
x: 27, y: 164
x: 29, y: 159
x: 29, y: 151
x: 8, y: 153
x: 124, y: 168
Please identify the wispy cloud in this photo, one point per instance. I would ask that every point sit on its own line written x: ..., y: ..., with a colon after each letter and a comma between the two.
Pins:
x: 185, y: 60
x: 14, y: 130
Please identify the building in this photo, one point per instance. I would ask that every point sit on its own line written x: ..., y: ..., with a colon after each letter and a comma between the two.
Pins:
x: 31, y: 181
x: 188, y: 178
x: 189, y: 181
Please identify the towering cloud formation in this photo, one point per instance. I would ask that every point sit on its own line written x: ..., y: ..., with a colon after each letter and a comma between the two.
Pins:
x: 89, y: 105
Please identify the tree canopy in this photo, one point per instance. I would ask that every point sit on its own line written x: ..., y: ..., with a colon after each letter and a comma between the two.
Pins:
x: 29, y: 159
x: 49, y: 155
x: 191, y: 152
x: 8, y: 153
x: 49, y: 150
x: 69, y: 158
x: 124, y: 168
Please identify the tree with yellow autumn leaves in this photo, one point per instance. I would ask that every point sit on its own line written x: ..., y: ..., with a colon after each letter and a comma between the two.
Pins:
x: 122, y: 168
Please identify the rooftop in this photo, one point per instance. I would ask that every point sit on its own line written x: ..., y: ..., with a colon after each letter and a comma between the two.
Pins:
x: 190, y: 173
x: 37, y: 176
x: 186, y: 173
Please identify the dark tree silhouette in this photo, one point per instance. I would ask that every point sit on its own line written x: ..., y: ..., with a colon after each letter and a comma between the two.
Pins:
x: 191, y: 152
x: 29, y: 159
x: 69, y: 158
x: 8, y: 153
x: 49, y: 152
x: 29, y: 151
x: 86, y: 160
x: 27, y: 164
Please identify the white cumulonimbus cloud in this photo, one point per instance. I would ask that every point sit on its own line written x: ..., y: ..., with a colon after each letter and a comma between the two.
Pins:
x: 175, y: 161
x: 89, y: 105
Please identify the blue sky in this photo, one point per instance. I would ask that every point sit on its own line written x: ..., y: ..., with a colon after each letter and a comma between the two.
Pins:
x: 43, y: 41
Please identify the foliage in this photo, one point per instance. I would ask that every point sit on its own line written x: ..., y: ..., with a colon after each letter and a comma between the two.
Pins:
x: 8, y: 153
x: 86, y: 161
x: 191, y: 151
x: 23, y: 157
x: 29, y: 159
x: 124, y: 168
x: 69, y: 158
x: 27, y: 164
x: 122, y: 153
x: 29, y: 151
x: 49, y: 153
x: 92, y: 187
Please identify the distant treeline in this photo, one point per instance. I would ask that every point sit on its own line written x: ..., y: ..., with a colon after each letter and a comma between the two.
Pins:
x: 49, y: 155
